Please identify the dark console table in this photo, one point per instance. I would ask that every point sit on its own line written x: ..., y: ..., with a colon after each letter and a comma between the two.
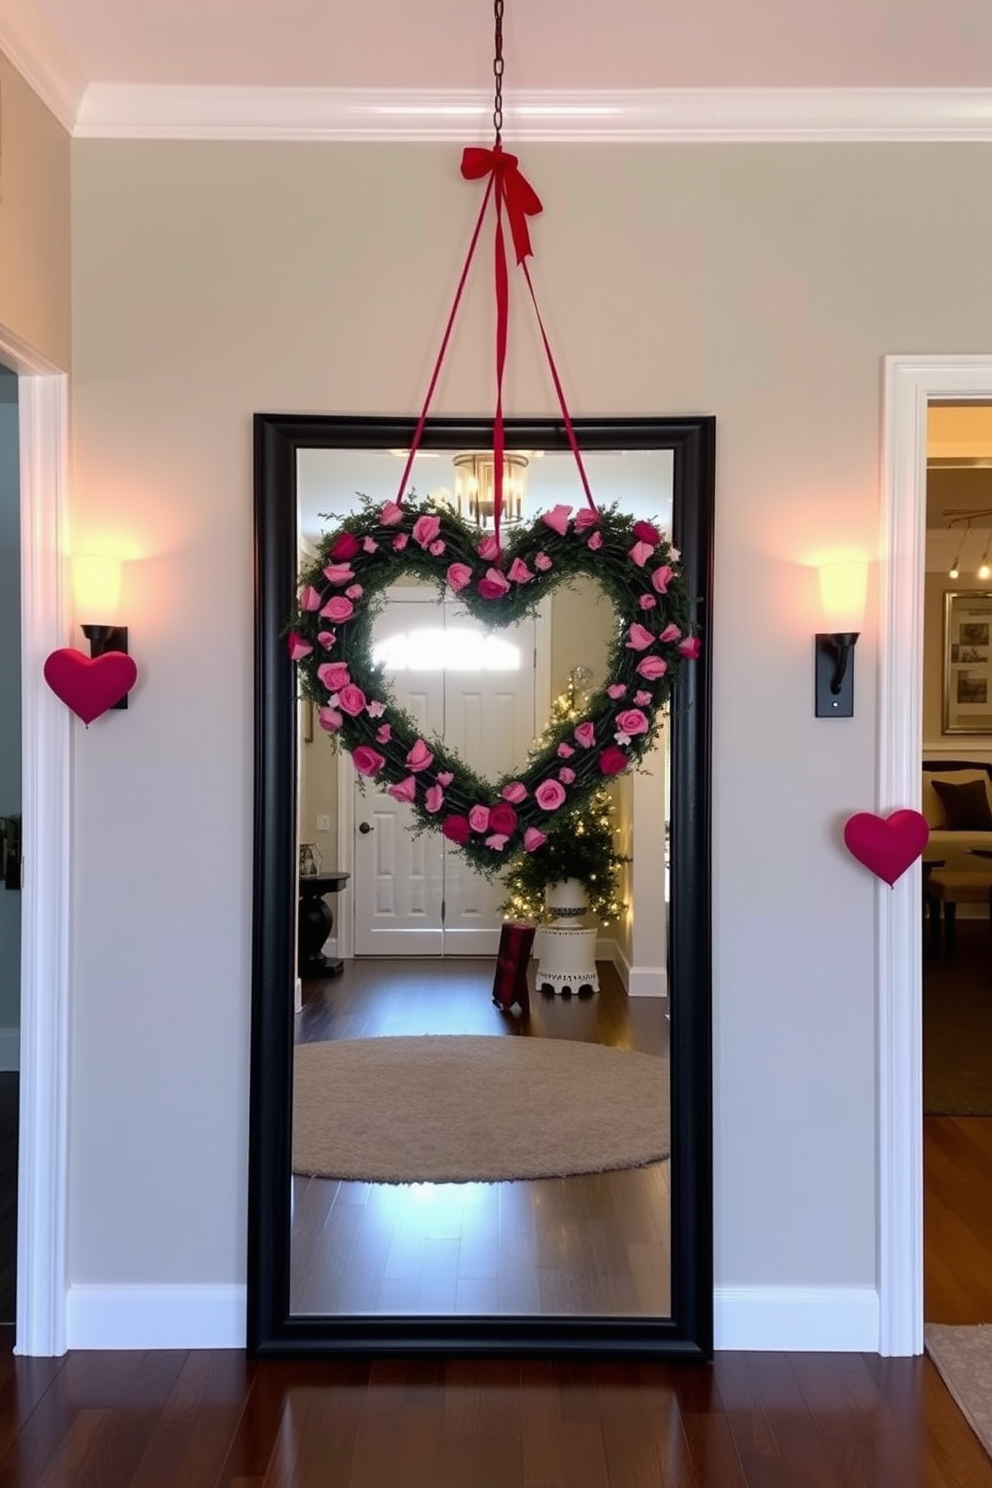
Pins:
x: 316, y: 923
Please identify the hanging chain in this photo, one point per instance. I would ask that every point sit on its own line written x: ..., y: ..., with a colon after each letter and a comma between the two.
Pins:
x: 498, y: 72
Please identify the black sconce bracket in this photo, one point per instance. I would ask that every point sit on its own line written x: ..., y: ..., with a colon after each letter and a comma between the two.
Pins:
x: 104, y: 638
x: 835, y: 673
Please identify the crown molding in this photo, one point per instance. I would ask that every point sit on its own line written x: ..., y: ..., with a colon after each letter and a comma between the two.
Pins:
x: 31, y: 44
x: 116, y: 111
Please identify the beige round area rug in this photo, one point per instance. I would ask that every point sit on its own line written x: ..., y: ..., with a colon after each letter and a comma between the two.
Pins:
x: 463, y: 1109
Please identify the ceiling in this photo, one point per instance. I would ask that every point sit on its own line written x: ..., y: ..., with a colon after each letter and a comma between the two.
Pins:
x: 82, y: 53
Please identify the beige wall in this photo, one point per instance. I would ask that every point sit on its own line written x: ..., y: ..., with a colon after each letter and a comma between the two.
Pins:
x: 34, y: 222
x: 762, y: 284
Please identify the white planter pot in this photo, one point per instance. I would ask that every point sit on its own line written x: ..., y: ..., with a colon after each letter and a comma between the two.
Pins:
x: 566, y: 900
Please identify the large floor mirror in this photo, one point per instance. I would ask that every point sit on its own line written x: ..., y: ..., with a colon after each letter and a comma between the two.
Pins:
x: 575, y: 1210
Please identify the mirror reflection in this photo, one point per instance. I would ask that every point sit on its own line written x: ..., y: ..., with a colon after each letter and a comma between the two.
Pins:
x: 400, y: 938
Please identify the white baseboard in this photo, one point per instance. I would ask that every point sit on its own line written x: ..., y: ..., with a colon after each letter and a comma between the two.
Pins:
x: 640, y: 981
x: 800, y: 1319
x: 10, y: 1049
x: 155, y: 1317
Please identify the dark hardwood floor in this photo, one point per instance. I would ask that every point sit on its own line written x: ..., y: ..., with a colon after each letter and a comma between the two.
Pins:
x: 595, y: 1244
x: 217, y: 1420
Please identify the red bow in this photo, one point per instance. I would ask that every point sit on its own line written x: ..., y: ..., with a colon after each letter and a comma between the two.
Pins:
x: 522, y: 201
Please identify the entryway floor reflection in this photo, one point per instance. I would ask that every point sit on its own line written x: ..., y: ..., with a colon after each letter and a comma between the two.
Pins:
x: 596, y: 1244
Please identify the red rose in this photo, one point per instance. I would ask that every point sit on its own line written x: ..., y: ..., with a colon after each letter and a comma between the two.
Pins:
x: 502, y: 818
x: 647, y: 532
x: 613, y: 761
x: 345, y: 546
x: 456, y: 829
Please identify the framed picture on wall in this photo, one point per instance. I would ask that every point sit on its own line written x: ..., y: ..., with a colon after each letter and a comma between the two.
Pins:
x: 968, y: 662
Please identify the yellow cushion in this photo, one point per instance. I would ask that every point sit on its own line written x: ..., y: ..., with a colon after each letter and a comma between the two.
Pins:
x: 932, y: 808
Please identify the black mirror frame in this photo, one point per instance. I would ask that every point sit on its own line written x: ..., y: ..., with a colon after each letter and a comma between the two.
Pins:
x: 271, y: 1329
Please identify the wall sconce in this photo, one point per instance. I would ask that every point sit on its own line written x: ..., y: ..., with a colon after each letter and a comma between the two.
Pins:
x: 842, y: 596
x: 96, y: 582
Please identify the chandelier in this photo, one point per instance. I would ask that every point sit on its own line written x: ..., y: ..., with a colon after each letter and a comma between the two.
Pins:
x: 474, y: 486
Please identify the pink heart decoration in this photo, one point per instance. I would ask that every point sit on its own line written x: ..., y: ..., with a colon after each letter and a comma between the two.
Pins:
x: 886, y: 845
x: 90, y: 685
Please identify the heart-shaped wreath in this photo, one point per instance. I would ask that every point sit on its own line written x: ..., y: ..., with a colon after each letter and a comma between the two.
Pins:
x: 331, y: 635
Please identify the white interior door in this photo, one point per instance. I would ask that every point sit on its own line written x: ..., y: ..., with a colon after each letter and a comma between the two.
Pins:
x: 399, y: 877
x: 415, y: 895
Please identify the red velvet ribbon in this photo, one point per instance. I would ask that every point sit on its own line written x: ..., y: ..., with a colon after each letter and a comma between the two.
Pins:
x: 514, y: 195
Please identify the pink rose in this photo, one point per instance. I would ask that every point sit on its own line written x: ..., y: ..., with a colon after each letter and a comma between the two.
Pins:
x: 338, y: 608
x: 384, y: 733
x: 488, y: 549
x: 399, y: 542
x: 493, y: 586
x: 444, y: 777
x: 647, y: 532
x: 616, y: 690
x: 662, y: 577
x: 671, y: 632
x: 329, y: 719
x: 434, y: 798
x: 542, y: 561
x: 585, y: 518
x: 502, y: 818
x: 533, y: 839
x: 339, y: 573
x: 640, y: 639
x: 456, y: 829
x: 376, y: 709
x: 565, y: 751
x: 459, y: 574
x: 436, y: 548
x: 647, y: 601
x: 309, y: 598
x: 406, y: 790
x: 643, y: 698
x: 478, y: 818
x: 518, y: 572
x: 497, y: 841
x: 652, y: 667
x: 585, y: 734
x: 367, y: 761
x: 354, y: 591
x: 690, y: 647
x: 640, y: 553
x: 369, y: 544
x: 425, y: 530
x: 565, y: 775
x: 345, y: 546
x: 351, y: 700
x: 419, y: 756
x: 298, y: 647
x: 549, y: 795
x: 334, y: 674
x: 390, y: 514
x: 595, y: 542
x: 326, y: 638
x: 613, y: 761
x: 557, y: 518
x: 516, y: 792
x: 632, y: 721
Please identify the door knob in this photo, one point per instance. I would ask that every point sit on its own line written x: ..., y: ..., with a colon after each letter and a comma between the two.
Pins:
x: 364, y: 827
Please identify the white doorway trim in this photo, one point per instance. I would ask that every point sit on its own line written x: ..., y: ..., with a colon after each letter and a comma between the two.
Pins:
x: 42, y: 1168
x: 911, y: 384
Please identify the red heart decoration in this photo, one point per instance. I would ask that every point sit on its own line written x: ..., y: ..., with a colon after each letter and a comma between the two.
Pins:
x: 90, y: 685
x: 887, y: 845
